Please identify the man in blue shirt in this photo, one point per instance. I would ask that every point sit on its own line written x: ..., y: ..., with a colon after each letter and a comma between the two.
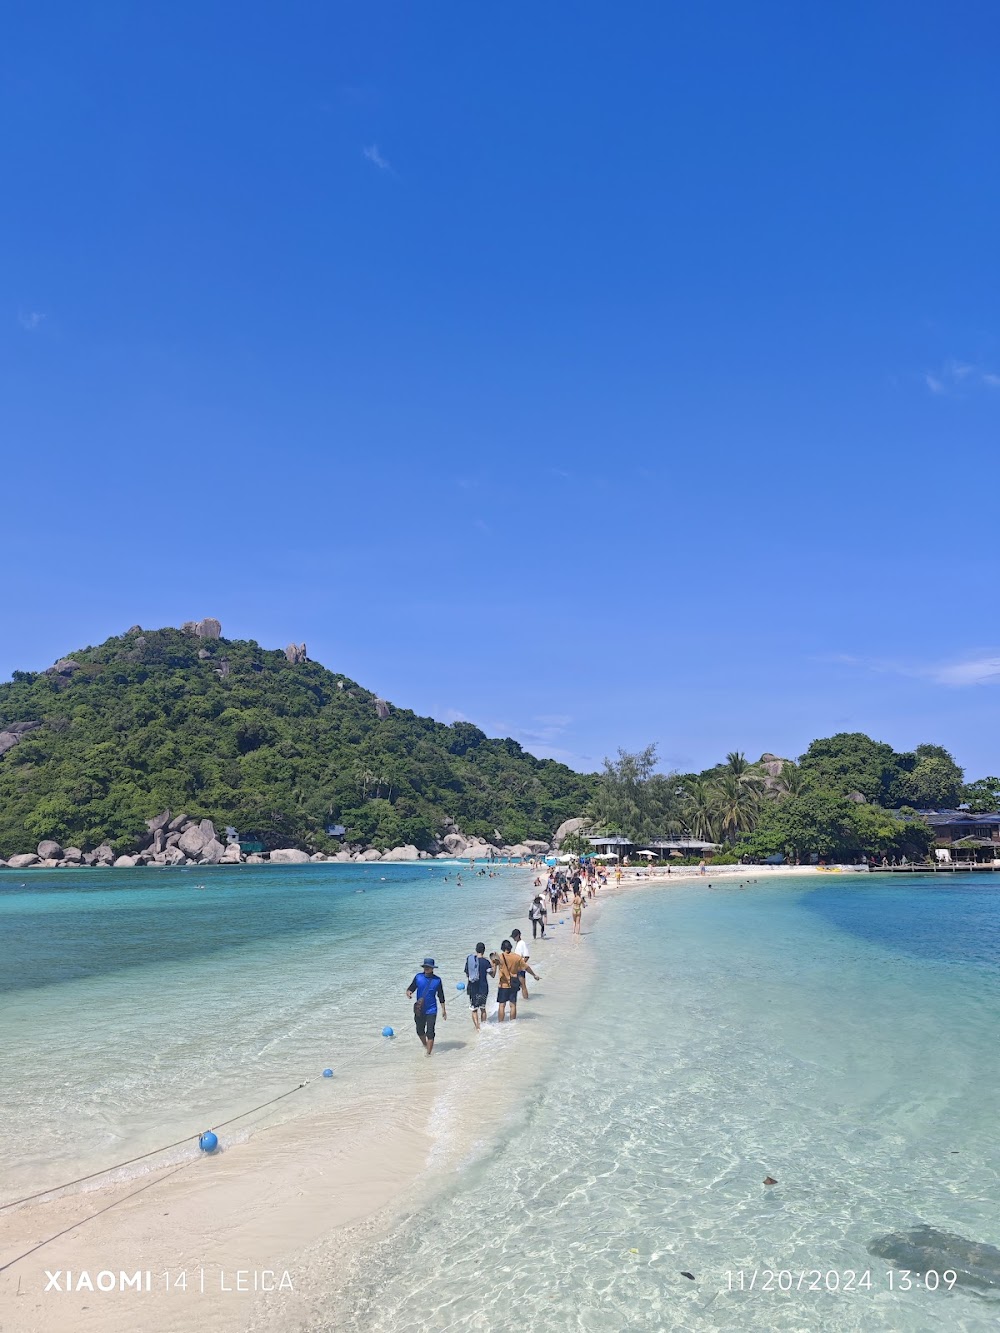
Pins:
x: 429, y: 990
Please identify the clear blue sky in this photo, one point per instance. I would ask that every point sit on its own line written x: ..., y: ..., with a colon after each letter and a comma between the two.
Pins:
x: 433, y: 333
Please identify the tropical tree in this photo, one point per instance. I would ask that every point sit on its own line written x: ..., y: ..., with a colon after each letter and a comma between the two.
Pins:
x: 700, y: 810
x: 632, y: 799
x: 792, y: 781
x: 737, y: 802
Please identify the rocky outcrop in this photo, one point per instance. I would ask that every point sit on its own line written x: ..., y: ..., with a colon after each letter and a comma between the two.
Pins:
x: 288, y: 856
x: 158, y: 822
x: 209, y: 628
x: 536, y: 846
x: 23, y: 861
x: 254, y: 860
x: 382, y: 709
x: 231, y: 856
x: 13, y: 732
x: 177, y: 824
x: 370, y: 854
x: 72, y: 855
x: 296, y: 653
x: 406, y: 853
x: 192, y: 840
x: 341, y: 856
x: 566, y: 829
x: 64, y: 667
x: 104, y: 855
x: 455, y: 843
x: 211, y: 853
x: 49, y: 850
x: 125, y: 862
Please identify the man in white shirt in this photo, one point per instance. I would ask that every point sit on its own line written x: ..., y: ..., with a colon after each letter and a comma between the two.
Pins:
x: 521, y: 949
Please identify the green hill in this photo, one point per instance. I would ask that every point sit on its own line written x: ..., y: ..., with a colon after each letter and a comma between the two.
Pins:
x: 281, y: 747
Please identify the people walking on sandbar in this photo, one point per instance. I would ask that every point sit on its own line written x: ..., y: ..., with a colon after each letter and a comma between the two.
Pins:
x: 506, y: 966
x: 579, y: 902
x: 537, y: 914
x: 521, y: 949
x: 478, y: 968
x: 429, y: 990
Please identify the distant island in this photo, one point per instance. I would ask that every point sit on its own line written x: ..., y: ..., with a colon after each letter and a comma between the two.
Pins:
x: 171, y: 746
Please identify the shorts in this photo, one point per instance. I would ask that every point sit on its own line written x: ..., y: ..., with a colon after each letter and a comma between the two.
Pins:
x: 478, y: 994
x: 425, y: 1024
x: 508, y: 994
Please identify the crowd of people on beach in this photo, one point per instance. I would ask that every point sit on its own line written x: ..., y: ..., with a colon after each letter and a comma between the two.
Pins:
x: 511, y: 964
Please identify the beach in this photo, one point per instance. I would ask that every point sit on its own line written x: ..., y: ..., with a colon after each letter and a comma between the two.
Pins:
x: 330, y: 1155
x: 582, y: 1160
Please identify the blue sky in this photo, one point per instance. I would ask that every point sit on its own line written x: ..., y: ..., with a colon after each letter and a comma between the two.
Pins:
x: 601, y: 374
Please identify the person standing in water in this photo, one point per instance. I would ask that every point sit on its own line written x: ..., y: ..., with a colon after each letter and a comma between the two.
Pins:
x: 506, y: 965
x: 478, y: 969
x: 521, y: 949
x: 537, y: 913
x: 429, y: 990
x: 577, y: 910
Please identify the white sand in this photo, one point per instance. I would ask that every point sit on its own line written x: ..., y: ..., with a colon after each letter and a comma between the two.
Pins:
x: 299, y: 1197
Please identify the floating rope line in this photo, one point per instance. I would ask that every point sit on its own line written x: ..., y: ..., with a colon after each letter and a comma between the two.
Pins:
x: 107, y: 1208
x: 54, y: 1189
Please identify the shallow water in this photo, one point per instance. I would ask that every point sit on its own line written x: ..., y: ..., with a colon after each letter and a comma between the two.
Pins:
x: 841, y: 1039
x: 139, y: 1007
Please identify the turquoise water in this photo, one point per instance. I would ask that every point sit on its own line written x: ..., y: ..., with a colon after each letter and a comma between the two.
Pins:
x: 137, y: 1007
x: 837, y: 1035
x: 840, y: 1038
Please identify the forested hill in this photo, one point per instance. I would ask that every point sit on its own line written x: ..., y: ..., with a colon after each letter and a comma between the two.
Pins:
x: 268, y: 741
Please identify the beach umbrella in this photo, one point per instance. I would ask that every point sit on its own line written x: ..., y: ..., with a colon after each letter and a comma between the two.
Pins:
x: 652, y: 854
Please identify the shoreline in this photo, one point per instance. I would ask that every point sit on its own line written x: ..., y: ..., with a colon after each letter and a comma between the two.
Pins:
x: 330, y: 1177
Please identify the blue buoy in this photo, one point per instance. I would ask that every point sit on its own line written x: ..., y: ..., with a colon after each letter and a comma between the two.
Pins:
x: 328, y: 1073
x: 208, y: 1141
x: 388, y: 1032
x: 460, y: 985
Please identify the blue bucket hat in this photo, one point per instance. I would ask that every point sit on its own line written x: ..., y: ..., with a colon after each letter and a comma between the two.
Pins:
x: 428, y: 962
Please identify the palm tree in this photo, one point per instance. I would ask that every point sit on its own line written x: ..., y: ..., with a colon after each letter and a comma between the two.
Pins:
x: 736, y: 764
x: 738, y: 801
x: 700, y: 811
x: 792, y: 781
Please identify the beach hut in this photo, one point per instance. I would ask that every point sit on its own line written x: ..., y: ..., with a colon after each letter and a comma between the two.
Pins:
x: 612, y: 845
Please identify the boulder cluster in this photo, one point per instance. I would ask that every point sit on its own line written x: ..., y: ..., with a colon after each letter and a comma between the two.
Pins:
x: 182, y: 841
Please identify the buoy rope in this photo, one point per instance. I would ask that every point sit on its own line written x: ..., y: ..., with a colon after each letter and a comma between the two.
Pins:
x: 54, y: 1189
x: 107, y: 1208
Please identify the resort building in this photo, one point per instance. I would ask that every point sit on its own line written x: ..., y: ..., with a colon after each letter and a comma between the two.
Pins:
x: 972, y: 836
x: 664, y: 847
x: 611, y: 844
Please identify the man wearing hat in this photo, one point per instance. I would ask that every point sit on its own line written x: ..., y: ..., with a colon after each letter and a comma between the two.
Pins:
x: 429, y: 990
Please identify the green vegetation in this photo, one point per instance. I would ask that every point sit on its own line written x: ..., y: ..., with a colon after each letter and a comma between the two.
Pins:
x: 848, y: 796
x: 241, y: 736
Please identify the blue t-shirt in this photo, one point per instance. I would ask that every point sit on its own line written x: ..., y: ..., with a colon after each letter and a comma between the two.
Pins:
x: 428, y: 989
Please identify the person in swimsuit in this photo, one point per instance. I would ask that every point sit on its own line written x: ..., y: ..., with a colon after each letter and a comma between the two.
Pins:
x: 506, y: 964
x: 577, y: 910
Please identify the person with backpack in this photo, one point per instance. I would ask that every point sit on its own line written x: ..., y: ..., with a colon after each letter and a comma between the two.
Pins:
x: 479, y: 969
x: 429, y: 990
x: 537, y: 914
